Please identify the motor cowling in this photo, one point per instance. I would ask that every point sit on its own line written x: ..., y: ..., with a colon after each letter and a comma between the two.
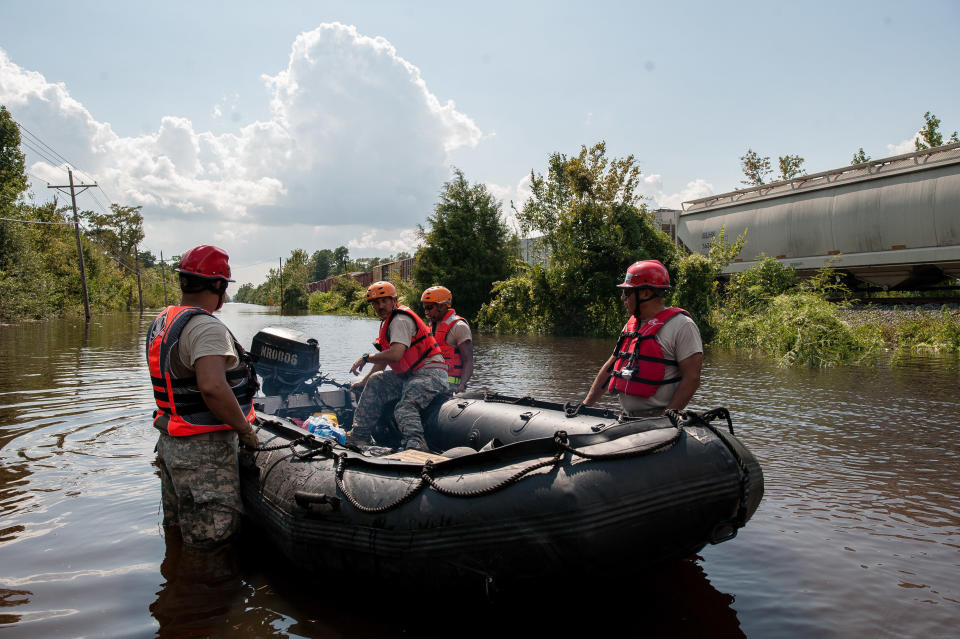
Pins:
x: 284, y: 359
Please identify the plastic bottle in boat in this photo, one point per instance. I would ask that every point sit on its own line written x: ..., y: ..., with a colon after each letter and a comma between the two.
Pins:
x: 325, y: 425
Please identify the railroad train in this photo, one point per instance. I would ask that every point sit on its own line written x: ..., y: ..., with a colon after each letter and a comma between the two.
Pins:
x: 893, y: 223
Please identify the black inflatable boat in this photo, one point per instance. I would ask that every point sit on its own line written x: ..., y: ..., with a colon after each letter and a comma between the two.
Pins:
x: 517, y: 489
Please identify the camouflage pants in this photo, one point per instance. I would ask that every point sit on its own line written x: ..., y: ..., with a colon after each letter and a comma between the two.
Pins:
x: 200, y: 486
x: 412, y: 393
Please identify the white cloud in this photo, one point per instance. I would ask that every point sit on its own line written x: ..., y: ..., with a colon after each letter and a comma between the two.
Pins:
x: 356, y: 141
x: 651, y: 186
x: 907, y: 146
x: 517, y: 193
x: 227, y: 104
x: 385, y: 243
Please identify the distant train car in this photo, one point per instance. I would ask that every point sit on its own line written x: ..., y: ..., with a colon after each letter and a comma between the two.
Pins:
x: 893, y: 222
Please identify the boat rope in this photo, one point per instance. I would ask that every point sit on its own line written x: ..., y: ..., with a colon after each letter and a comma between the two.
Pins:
x: 341, y: 468
x: 264, y: 449
x: 571, y: 409
x: 553, y: 461
x: 560, y: 440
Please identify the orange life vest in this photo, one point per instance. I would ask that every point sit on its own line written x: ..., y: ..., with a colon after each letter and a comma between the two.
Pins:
x: 640, y: 366
x: 451, y: 354
x: 421, y: 347
x: 181, y: 410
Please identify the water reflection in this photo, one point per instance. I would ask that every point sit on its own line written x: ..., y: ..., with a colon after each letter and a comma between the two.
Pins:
x: 675, y: 600
x: 203, y: 593
x: 10, y: 598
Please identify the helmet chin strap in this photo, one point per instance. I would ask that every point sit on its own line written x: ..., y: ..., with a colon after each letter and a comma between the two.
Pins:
x: 637, y: 301
x: 220, y: 288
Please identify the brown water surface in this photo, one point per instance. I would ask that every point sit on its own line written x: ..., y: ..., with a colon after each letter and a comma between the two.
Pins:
x: 858, y: 533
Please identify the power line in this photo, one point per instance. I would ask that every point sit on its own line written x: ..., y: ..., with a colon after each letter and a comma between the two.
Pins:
x: 235, y: 268
x: 37, y: 138
x: 39, y: 152
x: 100, y: 204
x: 36, y: 145
x: 37, y: 177
x: 10, y: 219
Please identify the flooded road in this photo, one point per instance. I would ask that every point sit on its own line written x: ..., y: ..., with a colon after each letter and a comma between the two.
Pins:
x: 858, y: 533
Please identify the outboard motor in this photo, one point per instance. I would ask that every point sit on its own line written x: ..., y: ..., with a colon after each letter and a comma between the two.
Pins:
x: 284, y: 359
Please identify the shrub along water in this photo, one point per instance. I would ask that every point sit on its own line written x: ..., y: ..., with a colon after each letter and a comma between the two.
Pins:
x: 937, y: 331
x: 765, y: 310
x: 346, y: 297
x: 798, y: 328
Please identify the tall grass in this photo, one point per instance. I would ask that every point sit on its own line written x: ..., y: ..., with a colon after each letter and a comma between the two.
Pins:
x: 928, y: 332
x: 799, y: 329
x: 766, y: 311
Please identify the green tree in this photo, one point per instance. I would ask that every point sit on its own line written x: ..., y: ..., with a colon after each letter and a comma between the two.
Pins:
x: 341, y: 257
x: 14, y: 237
x: 860, y: 157
x: 695, y: 281
x: 245, y: 293
x: 930, y: 136
x: 321, y: 263
x: 147, y: 259
x: 466, y: 246
x: 295, y: 276
x: 790, y: 166
x: 117, y: 232
x: 13, y: 179
x: 755, y: 168
x: 593, y: 226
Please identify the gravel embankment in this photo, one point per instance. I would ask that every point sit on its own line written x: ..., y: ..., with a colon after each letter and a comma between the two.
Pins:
x: 858, y: 315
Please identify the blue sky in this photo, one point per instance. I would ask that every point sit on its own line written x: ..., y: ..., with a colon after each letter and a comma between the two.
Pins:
x: 315, y: 124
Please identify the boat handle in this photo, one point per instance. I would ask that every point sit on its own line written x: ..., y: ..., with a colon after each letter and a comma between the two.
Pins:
x: 304, y: 499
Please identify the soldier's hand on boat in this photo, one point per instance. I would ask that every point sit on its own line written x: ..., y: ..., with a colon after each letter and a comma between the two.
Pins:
x: 249, y: 440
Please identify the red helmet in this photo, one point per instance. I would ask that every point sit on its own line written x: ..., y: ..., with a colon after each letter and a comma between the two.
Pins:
x: 649, y: 273
x: 208, y: 262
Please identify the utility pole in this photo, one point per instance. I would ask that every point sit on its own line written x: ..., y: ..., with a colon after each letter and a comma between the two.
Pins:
x: 76, y: 228
x: 281, y: 286
x: 163, y: 275
x: 136, y: 264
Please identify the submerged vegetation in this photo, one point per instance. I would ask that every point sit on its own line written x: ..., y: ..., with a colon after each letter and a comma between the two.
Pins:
x: 346, y: 297
x: 767, y: 311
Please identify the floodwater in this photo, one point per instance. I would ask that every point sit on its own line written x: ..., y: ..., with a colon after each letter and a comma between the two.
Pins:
x: 858, y: 533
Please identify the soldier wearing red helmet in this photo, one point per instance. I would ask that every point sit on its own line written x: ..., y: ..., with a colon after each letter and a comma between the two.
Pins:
x: 656, y: 363
x: 204, y: 387
x: 417, y: 371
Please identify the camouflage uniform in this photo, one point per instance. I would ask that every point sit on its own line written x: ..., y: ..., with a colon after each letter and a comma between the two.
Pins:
x: 414, y: 392
x: 200, y: 485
